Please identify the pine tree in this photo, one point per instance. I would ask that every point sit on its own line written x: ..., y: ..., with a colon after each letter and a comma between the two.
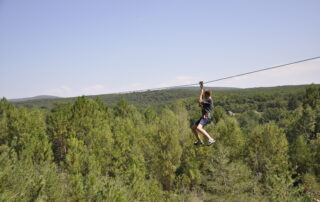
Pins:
x: 229, y: 133
x: 312, y: 96
x: 149, y: 115
x: 268, y: 157
x: 314, y: 147
x: 58, y: 129
x: 311, y: 186
x: 90, y: 122
x: 127, y: 158
x: 22, y: 180
x: 267, y: 151
x: 27, y: 134
x: 227, y: 180
x: 83, y: 169
x: 4, y: 131
x: 188, y: 173
x: 218, y: 114
x: 300, y: 155
x: 167, y: 149
x: 182, y: 118
x: 5, y: 108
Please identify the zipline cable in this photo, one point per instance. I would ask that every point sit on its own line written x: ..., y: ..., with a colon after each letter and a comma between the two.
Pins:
x: 224, y: 78
x: 265, y: 69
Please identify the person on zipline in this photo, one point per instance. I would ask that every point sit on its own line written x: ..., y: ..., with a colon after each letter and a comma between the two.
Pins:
x: 206, y: 105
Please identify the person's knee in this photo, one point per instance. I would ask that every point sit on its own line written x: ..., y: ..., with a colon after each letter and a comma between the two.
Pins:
x: 199, y: 127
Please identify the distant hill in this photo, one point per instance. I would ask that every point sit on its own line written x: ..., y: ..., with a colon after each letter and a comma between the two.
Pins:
x: 212, y: 88
x: 161, y: 96
x: 40, y: 97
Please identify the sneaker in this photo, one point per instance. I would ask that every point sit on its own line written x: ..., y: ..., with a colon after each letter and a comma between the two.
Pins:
x: 198, y: 143
x: 210, y: 142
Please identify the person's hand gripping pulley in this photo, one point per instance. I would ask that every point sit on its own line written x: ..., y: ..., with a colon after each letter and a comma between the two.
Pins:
x: 201, y: 84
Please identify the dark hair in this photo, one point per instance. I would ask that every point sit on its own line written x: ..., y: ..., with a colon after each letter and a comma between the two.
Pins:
x: 207, y: 92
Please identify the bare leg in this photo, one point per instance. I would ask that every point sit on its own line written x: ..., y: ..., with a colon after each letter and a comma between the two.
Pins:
x: 201, y: 130
x: 195, y: 132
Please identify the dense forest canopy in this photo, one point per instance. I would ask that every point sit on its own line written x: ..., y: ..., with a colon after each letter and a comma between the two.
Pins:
x: 140, y: 147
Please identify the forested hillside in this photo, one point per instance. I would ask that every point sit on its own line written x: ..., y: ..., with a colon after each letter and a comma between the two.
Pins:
x: 88, y: 149
x: 162, y: 97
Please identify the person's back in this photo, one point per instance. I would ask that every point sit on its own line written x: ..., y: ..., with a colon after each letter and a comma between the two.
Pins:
x: 207, y: 105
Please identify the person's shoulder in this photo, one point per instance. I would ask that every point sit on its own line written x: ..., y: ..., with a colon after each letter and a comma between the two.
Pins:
x: 208, y: 100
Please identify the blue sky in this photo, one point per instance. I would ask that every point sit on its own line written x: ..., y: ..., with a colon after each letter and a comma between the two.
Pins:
x: 76, y: 47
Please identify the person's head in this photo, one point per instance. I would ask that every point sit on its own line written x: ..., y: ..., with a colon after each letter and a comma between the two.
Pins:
x: 207, y: 93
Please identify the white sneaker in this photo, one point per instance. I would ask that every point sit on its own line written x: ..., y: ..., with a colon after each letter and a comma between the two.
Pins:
x: 210, y: 142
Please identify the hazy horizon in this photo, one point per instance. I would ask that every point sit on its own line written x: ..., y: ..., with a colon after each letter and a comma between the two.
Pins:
x: 145, y: 90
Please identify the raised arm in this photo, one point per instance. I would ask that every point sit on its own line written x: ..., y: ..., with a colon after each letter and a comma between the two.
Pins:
x: 201, y: 97
x: 201, y: 93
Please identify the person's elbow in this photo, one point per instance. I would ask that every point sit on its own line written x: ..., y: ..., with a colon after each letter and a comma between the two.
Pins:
x: 200, y: 101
